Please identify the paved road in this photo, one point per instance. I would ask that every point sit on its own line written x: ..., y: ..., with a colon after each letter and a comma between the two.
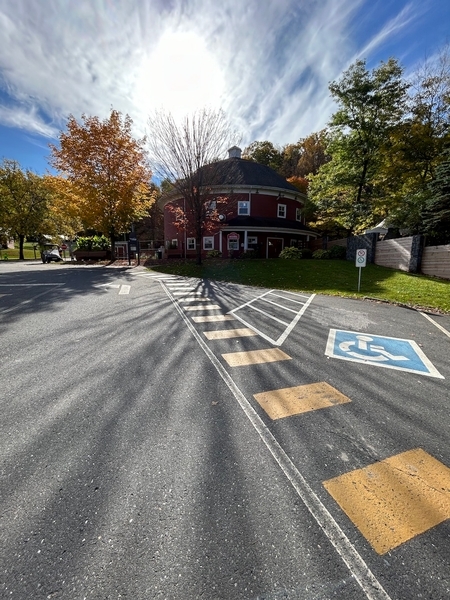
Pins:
x: 172, y: 438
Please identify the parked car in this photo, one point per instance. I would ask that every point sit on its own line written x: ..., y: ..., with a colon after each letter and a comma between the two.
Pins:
x: 51, y: 252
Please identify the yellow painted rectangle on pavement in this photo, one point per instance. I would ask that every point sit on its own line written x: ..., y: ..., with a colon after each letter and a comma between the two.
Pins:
x: 223, y: 334
x: 202, y: 307
x: 255, y: 357
x: 213, y: 318
x: 286, y: 402
x: 394, y: 500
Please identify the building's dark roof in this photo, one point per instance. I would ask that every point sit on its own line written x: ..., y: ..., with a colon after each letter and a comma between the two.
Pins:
x: 239, y: 171
x: 273, y: 223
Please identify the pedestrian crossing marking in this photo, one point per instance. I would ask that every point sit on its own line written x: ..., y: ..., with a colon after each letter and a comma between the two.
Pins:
x: 396, y: 499
x: 255, y: 357
x: 223, y: 334
x: 287, y: 402
x: 212, y: 318
x: 202, y: 307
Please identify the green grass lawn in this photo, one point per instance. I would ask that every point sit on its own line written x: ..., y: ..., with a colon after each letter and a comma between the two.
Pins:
x: 332, y: 277
x: 13, y: 253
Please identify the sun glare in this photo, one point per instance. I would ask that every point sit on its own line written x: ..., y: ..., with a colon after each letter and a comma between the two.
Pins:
x: 180, y: 75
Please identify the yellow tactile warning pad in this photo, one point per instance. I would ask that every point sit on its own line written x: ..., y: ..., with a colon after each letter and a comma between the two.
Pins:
x: 255, y: 357
x: 394, y: 500
x: 223, y: 334
x: 286, y: 402
x: 213, y: 318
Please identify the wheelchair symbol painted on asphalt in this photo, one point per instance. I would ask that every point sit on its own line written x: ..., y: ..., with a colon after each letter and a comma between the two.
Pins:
x: 392, y: 353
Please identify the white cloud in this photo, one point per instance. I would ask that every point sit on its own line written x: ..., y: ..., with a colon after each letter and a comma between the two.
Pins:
x: 268, y: 64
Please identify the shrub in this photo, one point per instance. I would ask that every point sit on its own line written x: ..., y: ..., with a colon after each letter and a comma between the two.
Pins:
x: 321, y: 254
x: 248, y: 254
x: 94, y: 242
x: 291, y: 253
x: 306, y: 253
x: 214, y: 254
x: 339, y: 252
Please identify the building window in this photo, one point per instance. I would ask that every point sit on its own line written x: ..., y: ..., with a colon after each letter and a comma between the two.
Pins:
x: 208, y: 243
x: 252, y: 240
x: 294, y: 243
x: 191, y: 244
x: 282, y: 211
x: 174, y: 243
x: 233, y: 244
x: 298, y: 214
x: 243, y: 207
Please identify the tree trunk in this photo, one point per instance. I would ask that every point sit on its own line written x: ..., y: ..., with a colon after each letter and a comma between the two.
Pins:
x: 21, y: 241
x: 112, y: 239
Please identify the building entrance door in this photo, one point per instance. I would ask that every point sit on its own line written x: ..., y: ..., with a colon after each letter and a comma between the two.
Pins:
x: 274, y: 247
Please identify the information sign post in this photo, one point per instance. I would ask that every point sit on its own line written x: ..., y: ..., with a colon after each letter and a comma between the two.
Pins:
x: 361, y: 260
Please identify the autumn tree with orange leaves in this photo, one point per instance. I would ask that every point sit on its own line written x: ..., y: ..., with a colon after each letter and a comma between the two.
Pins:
x: 108, y: 172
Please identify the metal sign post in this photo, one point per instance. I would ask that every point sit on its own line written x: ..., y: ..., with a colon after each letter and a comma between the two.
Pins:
x: 361, y: 260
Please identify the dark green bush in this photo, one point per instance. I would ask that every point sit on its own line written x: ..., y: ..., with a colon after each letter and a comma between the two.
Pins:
x: 214, y: 254
x: 306, y: 253
x: 248, y: 254
x: 291, y: 253
x: 321, y: 254
x: 338, y: 252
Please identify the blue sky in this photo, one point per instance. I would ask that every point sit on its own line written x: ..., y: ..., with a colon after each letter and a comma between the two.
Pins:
x: 267, y: 63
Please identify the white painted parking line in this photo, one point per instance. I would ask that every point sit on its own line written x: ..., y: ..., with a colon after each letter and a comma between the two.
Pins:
x: 280, y: 306
x: 264, y: 298
x: 444, y: 331
x: 124, y: 289
x: 195, y: 298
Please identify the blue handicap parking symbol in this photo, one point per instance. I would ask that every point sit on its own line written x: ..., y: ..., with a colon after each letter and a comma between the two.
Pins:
x: 392, y: 353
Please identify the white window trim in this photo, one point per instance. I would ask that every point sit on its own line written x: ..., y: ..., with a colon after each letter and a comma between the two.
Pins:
x: 190, y: 244
x: 246, y: 214
x: 233, y: 242
x: 209, y: 238
x: 285, y: 211
x: 252, y: 237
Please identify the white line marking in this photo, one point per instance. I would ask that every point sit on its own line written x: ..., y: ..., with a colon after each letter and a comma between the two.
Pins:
x: 288, y: 299
x: 282, y: 338
x: 289, y: 326
x: 124, y: 289
x: 279, y: 305
x: 111, y: 285
x: 194, y: 299
x: 29, y: 284
x: 345, y: 549
x: 3, y: 312
x: 263, y: 313
x: 447, y: 333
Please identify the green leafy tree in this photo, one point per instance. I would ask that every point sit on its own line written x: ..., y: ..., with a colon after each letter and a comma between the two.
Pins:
x: 436, y: 216
x: 415, y: 148
x: 370, y: 106
x: 264, y: 153
x: 24, y: 200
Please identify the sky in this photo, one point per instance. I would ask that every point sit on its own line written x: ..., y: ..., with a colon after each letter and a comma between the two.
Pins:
x: 266, y: 63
